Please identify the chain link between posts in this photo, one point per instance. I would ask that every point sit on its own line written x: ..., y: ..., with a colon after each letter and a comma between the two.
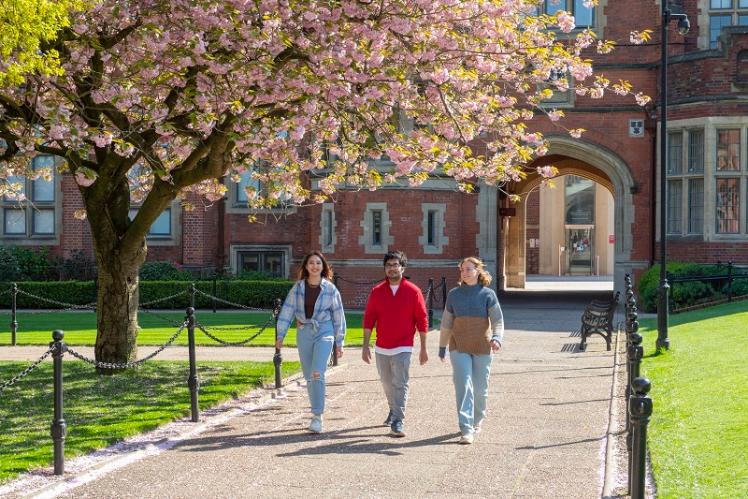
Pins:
x: 227, y: 302
x: 128, y: 365
x: 235, y: 343
x: 25, y: 372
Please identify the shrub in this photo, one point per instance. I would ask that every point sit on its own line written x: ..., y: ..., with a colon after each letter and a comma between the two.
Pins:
x: 78, y: 267
x: 19, y: 263
x: 682, y: 294
x: 163, y: 271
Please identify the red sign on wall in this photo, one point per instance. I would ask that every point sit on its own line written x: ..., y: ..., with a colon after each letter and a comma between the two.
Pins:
x: 612, y: 238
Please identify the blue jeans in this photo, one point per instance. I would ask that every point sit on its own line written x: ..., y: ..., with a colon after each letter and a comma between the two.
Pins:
x: 315, y: 348
x: 470, y: 375
x: 394, y: 372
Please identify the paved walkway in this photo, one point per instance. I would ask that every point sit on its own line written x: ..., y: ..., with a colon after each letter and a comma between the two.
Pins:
x: 545, y: 437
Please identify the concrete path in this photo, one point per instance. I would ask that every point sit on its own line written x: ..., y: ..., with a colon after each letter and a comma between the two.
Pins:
x: 545, y: 437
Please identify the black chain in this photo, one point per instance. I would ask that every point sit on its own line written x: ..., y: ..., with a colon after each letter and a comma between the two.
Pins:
x: 128, y: 365
x: 69, y: 306
x: 162, y: 317
x: 25, y: 372
x: 367, y: 283
x: 158, y: 300
x: 227, y: 302
x: 234, y: 343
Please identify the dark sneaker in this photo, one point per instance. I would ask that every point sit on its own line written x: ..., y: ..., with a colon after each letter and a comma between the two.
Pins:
x: 396, y: 429
x: 390, y: 418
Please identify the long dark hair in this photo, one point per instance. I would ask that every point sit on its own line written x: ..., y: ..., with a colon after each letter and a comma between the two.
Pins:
x: 303, y: 273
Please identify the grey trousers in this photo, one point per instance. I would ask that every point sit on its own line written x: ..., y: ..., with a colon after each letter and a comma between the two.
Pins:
x: 394, y: 372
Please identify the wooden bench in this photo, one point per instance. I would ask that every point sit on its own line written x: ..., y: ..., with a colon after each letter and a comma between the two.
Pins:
x: 598, y: 319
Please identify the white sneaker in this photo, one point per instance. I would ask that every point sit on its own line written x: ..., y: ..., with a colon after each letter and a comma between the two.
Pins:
x: 467, y: 439
x: 316, y: 425
x: 478, y: 426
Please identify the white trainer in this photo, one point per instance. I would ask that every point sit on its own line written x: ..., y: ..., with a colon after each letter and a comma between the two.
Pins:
x: 316, y: 425
x: 467, y: 439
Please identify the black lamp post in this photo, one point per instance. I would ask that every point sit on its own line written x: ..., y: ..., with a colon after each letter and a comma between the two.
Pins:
x: 662, y: 308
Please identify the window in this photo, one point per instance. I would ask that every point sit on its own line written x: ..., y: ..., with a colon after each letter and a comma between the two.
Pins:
x: 675, y: 153
x: 674, y: 206
x: 375, y: 237
x: 161, y: 227
x: 728, y: 150
x: 583, y: 16
x: 36, y: 216
x: 327, y: 237
x: 728, y: 206
x: 696, y: 151
x: 245, y: 181
x: 271, y: 263
x: 433, y: 237
x: 238, y: 197
x: 725, y: 13
x: 580, y: 200
x: 696, y: 206
x: 685, y: 186
x: 376, y: 228
x: 431, y: 227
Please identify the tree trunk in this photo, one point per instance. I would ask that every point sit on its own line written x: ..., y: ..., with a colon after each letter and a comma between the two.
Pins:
x: 117, y: 305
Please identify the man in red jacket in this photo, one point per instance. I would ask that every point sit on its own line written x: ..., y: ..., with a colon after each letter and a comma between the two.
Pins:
x: 397, y: 308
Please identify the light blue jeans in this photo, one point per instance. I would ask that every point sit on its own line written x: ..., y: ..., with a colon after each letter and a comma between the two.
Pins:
x: 315, y: 348
x: 470, y: 375
x: 394, y: 372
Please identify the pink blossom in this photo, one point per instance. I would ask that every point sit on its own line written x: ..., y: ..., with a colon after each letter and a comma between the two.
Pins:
x: 565, y: 21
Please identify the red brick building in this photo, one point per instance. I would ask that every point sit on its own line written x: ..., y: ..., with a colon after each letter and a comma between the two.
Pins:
x: 436, y: 225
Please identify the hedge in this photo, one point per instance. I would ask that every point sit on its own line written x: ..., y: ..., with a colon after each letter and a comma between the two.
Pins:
x: 258, y: 294
x: 682, y: 294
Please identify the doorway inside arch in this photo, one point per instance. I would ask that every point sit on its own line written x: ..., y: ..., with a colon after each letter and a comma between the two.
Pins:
x: 570, y: 241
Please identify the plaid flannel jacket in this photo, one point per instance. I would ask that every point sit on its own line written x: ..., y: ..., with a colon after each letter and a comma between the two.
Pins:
x: 329, y: 307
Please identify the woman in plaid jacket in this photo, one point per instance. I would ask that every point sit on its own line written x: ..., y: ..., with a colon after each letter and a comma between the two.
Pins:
x: 315, y: 303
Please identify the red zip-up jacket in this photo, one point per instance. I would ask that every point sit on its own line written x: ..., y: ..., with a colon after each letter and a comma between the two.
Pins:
x: 396, y: 317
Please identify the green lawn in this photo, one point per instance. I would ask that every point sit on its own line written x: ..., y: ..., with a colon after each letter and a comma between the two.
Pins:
x: 157, y: 327
x: 698, y: 436
x: 101, y: 410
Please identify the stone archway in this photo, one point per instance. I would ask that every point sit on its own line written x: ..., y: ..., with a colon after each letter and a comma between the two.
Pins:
x: 585, y: 159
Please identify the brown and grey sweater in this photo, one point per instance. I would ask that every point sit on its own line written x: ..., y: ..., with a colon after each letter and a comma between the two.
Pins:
x: 472, y: 318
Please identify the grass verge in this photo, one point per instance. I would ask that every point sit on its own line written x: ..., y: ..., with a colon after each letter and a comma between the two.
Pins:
x: 102, y: 410
x: 698, y: 434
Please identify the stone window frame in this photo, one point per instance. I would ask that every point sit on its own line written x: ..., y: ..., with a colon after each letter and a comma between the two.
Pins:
x: 365, y: 239
x: 710, y: 174
x: 235, y: 251
x: 235, y: 206
x: 327, y: 215
x: 440, y: 237
x: 29, y: 238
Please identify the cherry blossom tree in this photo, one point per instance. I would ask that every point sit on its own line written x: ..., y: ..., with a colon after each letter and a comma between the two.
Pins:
x: 159, y: 98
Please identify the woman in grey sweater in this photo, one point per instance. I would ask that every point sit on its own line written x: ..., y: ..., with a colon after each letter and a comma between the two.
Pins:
x: 473, y: 327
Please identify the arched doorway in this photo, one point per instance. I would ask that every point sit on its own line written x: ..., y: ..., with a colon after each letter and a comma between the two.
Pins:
x: 584, y: 160
x: 569, y: 235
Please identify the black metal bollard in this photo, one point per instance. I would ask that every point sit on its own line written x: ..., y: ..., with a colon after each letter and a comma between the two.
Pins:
x: 634, y: 355
x: 193, y: 382
x: 430, y: 291
x: 58, y: 428
x: 277, y: 358
x: 13, y: 317
x: 729, y: 281
x: 444, y: 290
x: 640, y: 409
